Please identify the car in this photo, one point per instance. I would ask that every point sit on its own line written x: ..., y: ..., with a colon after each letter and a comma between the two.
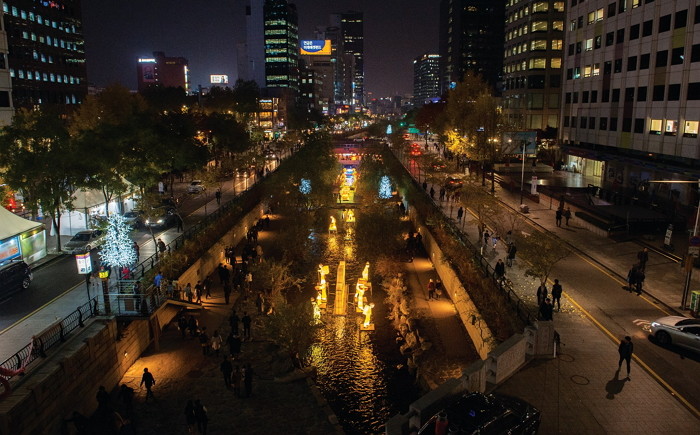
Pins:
x: 84, y: 241
x: 439, y: 165
x: 14, y: 276
x: 160, y: 217
x: 476, y: 413
x: 196, y: 186
x: 681, y: 331
x: 133, y: 218
x: 416, y: 152
x: 452, y: 183
x: 245, y: 172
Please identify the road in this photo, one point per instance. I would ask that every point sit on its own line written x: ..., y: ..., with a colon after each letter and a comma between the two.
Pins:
x: 60, y: 275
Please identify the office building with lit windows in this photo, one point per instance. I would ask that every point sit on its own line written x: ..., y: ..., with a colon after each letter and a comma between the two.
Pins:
x: 163, y: 71
x: 426, y: 79
x: 281, y: 45
x: 352, y: 51
x: 631, y: 95
x: 6, y: 108
x: 532, y: 61
x: 46, y: 54
x: 471, y: 39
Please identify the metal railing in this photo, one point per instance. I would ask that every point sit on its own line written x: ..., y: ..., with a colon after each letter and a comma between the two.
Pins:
x: 55, y: 334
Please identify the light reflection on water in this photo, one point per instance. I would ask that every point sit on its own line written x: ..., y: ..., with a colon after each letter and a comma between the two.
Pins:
x: 360, y: 373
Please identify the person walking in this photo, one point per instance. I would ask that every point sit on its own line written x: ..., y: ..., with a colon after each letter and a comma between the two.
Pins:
x: 643, y: 257
x: 207, y: 287
x: 632, y: 278
x: 234, y: 321
x: 217, y: 195
x: 126, y: 394
x: 223, y: 273
x: 442, y: 194
x: 547, y: 310
x: 158, y: 279
x: 104, y: 402
x: 567, y: 215
x: 512, y: 250
x: 227, y: 292
x: 180, y: 223
x: 182, y: 326
x: 190, y: 417
x: 246, y: 325
x: 438, y: 289
x: 487, y: 237
x: 432, y: 192
x: 639, y: 281
x: 204, y: 341
x: 161, y: 246
x: 499, y: 271
x: 200, y: 413
x: 556, y: 294
x: 460, y: 213
x: 226, y: 369
x: 431, y: 289
x: 198, y: 288
x: 558, y: 217
x: 425, y: 185
x: 541, y: 294
x: 216, y: 342
x: 625, y: 350
x: 188, y: 292
x: 135, y: 247
x: 148, y: 380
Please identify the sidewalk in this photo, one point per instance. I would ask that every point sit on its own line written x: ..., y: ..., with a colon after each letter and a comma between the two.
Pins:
x: 576, y: 389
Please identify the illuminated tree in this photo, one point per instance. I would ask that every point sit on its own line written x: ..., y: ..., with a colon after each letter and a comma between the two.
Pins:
x: 385, y: 188
x: 118, y: 250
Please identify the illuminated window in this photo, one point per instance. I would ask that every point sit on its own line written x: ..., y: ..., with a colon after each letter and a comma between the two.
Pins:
x: 557, y: 44
x: 577, y: 72
x: 540, y: 7
x: 539, y: 26
x: 555, y: 62
x: 588, y: 44
x: 558, y: 25
x: 596, y: 69
x: 691, y: 129
x: 558, y: 6
x: 538, y: 63
x: 655, y: 126
x: 635, y: 3
x: 671, y: 127
x: 587, y: 70
x: 538, y: 44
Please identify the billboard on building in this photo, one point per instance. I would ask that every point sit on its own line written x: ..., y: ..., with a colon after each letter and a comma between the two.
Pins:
x: 219, y: 79
x: 315, y: 47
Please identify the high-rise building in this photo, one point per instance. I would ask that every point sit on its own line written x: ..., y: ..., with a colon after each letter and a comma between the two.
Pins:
x: 534, y: 43
x: 46, y: 55
x: 471, y: 39
x: 161, y: 70
x: 251, y: 54
x: 281, y: 35
x: 6, y: 109
x: 351, y: 26
x: 426, y: 79
x: 631, y: 95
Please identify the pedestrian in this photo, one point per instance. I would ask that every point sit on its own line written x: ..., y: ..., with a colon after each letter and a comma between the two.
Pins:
x: 556, y: 294
x: 567, y: 215
x: 487, y: 237
x: 161, y: 246
x: 236, y: 378
x: 643, y: 257
x: 227, y: 292
x: 182, y: 326
x: 425, y: 185
x: 432, y: 192
x: 218, y: 196
x: 136, y: 249
x: 198, y: 288
x: 625, y: 350
x: 632, y: 278
x: 494, y: 240
x: 259, y: 253
x: 148, y: 379
x: 260, y: 302
x: 226, y: 369
x: 499, y: 271
x: 541, y: 294
x: 204, y: 341
x: 190, y: 416
x: 234, y: 344
x: 188, y: 292
x: 223, y: 273
x: 200, y: 413
x: 558, y: 217
x: 158, y: 279
x: 180, y: 223
x: 431, y: 289
x: 547, y: 310
x: 248, y: 379
x: 248, y: 280
x: 246, y: 325
x: 126, y: 394
x: 639, y: 280
x: 216, y: 342
x: 192, y: 326
x: 104, y: 402
x: 207, y: 287
x: 512, y: 250
x: 233, y: 321
x: 442, y: 194
x: 438, y: 289
x: 460, y: 213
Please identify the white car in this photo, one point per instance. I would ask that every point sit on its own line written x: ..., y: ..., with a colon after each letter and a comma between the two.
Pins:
x: 196, y: 186
x: 681, y: 331
x: 85, y: 241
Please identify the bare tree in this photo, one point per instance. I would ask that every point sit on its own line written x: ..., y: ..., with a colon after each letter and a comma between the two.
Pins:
x: 542, y: 252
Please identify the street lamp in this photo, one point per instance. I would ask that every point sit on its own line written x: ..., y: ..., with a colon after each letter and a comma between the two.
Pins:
x: 689, y: 256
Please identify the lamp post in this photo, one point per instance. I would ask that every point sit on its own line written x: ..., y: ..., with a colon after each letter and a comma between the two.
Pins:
x: 523, y: 145
x: 688, y: 256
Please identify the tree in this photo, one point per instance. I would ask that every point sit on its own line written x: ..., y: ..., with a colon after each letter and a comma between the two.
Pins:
x: 38, y: 159
x: 246, y: 95
x: 542, y: 251
x: 292, y: 327
x: 118, y: 250
x: 275, y: 278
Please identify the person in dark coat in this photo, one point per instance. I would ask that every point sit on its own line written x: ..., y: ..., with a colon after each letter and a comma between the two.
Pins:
x: 226, y: 369
x: 547, y: 310
x: 234, y: 321
x: 200, y: 414
x: 559, y: 214
x: 126, y: 394
x: 499, y: 270
x: 460, y: 213
x: 632, y: 278
x: 182, y: 325
x: 556, y: 294
x: 643, y: 257
x: 190, y: 416
x: 150, y: 381
x: 639, y: 281
x: 246, y: 325
x: 541, y: 294
x: 625, y: 350
x: 512, y: 250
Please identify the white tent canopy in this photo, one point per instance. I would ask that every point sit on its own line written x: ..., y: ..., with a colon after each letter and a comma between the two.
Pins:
x: 11, y: 224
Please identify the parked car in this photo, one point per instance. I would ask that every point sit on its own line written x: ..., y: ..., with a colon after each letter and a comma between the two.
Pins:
x: 196, y: 186
x: 133, y: 218
x: 452, y: 183
x: 476, y: 413
x: 14, y: 276
x: 681, y: 331
x: 160, y: 217
x: 85, y: 241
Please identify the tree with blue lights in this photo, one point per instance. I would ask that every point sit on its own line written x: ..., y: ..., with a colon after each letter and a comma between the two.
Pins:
x: 385, y: 187
x: 118, y: 250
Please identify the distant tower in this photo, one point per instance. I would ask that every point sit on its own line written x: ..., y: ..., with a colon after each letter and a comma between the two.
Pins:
x: 163, y: 71
x: 426, y: 79
x: 351, y: 27
x: 6, y: 109
x: 251, y: 54
x: 281, y: 35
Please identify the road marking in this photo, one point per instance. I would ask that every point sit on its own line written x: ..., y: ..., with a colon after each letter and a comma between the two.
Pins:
x: 640, y: 322
x: 40, y: 308
x: 639, y: 361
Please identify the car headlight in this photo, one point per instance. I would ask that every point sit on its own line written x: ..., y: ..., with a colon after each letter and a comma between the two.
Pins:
x: 160, y: 221
x: 148, y: 221
x: 654, y: 324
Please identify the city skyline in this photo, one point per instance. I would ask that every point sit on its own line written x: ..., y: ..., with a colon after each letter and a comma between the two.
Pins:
x: 117, y: 37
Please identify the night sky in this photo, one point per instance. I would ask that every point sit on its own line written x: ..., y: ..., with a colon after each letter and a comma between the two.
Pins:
x: 118, y: 32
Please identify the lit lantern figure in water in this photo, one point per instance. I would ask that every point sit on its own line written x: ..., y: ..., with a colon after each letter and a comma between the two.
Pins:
x: 365, y: 272
x: 360, y: 296
x: 367, y: 311
x: 322, y: 286
x: 333, y: 227
x: 317, y: 310
x: 350, y: 216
